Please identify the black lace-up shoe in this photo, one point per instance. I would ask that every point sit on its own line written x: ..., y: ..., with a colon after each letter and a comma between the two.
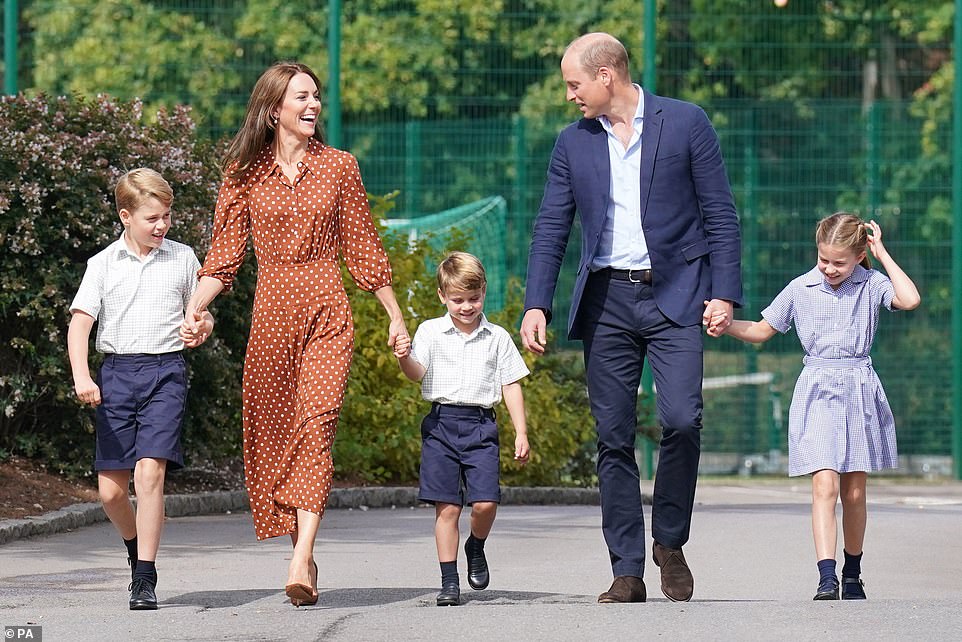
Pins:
x: 450, y: 595
x: 478, y: 576
x: 142, y: 596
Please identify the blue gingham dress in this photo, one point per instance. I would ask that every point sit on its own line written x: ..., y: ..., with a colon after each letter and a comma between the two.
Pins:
x: 840, y: 418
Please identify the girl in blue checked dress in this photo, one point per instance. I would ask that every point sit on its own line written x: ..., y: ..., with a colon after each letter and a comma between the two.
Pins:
x: 840, y: 425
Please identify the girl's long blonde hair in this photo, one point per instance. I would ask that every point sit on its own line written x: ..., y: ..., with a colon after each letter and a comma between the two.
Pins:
x: 844, y: 230
x: 258, y: 128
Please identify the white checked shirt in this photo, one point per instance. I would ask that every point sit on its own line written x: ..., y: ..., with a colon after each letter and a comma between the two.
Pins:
x: 139, y: 305
x: 466, y: 369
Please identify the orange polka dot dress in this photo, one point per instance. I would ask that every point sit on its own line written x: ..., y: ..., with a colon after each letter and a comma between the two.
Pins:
x: 302, y: 333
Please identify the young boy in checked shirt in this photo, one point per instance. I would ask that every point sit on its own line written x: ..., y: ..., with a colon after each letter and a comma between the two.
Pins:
x: 136, y: 290
x: 465, y: 365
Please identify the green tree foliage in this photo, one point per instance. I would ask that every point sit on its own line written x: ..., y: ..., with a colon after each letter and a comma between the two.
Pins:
x: 134, y: 48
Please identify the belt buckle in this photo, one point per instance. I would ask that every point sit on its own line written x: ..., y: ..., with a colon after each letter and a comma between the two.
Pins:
x: 632, y: 279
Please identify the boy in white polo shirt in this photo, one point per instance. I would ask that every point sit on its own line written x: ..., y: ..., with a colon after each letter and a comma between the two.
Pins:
x: 465, y: 365
x: 137, y: 290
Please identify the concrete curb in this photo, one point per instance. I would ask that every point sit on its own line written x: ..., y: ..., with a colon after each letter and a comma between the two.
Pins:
x: 79, y: 515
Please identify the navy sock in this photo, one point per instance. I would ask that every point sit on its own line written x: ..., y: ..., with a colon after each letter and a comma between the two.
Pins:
x: 826, y: 570
x: 475, y: 543
x: 449, y: 573
x: 852, y: 566
x: 146, y: 570
x: 131, y: 545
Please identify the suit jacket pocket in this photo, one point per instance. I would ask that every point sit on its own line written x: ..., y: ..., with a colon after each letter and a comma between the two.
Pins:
x: 696, y: 250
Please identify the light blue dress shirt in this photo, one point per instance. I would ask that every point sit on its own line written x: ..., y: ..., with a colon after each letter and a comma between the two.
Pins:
x: 622, y: 244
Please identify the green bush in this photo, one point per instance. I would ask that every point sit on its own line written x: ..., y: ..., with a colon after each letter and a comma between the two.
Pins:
x: 59, y: 161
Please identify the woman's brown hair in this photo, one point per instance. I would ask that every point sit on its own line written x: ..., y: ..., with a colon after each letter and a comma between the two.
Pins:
x: 258, y: 128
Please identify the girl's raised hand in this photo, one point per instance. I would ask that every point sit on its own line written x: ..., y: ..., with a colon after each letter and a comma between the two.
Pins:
x: 875, y: 238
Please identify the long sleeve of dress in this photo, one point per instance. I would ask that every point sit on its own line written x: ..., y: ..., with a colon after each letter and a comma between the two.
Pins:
x: 232, y: 225
x: 358, y: 239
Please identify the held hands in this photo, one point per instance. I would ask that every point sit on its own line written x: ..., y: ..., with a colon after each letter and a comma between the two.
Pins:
x: 717, y: 317
x: 195, y: 329
x: 398, y: 333
x: 402, y: 346
x: 534, y: 331
x: 522, y: 451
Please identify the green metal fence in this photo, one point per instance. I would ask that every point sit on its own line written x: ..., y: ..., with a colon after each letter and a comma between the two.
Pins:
x: 820, y: 106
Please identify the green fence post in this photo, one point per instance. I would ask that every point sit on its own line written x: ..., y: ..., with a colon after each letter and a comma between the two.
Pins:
x: 648, y: 81
x: 10, y: 15
x: 412, y: 167
x: 516, y: 250
x: 873, y: 131
x: 750, y: 245
x: 334, y: 74
x: 957, y: 250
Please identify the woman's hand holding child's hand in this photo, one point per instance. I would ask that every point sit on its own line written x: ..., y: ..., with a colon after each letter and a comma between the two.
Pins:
x: 402, y: 346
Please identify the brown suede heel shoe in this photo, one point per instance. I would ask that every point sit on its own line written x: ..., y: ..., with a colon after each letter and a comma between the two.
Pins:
x: 302, y: 595
x: 625, y: 588
x: 676, y: 581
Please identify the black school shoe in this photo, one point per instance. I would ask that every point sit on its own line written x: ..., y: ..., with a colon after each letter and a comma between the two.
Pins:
x: 827, y: 589
x: 142, y: 596
x: 450, y: 595
x: 478, y: 575
x: 853, y: 588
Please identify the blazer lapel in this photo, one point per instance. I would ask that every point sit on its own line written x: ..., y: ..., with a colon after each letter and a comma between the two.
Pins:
x: 598, y: 152
x: 650, y: 137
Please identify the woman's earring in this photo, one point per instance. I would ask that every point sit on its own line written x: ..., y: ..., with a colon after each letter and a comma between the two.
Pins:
x: 274, y: 121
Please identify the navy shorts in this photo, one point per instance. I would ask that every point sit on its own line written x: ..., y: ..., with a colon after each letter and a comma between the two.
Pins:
x: 459, y: 456
x: 141, y: 412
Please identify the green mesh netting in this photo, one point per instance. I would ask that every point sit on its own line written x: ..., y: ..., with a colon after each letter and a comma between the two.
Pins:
x: 478, y: 228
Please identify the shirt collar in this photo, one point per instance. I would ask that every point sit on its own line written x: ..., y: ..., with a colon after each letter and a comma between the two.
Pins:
x: 121, y: 250
x: 639, y: 111
x: 449, y: 327
x: 266, y: 163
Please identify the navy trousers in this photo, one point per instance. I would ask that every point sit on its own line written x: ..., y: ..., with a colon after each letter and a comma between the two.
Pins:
x: 622, y: 326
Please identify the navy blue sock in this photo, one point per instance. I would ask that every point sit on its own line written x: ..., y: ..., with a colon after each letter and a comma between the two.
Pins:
x: 131, y: 545
x: 475, y: 543
x: 826, y: 570
x: 852, y: 566
x: 449, y: 573
x: 146, y: 570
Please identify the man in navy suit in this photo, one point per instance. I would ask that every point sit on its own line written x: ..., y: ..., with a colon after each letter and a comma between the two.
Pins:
x: 660, y: 257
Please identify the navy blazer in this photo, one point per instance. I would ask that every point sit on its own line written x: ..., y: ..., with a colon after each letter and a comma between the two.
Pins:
x: 687, y: 212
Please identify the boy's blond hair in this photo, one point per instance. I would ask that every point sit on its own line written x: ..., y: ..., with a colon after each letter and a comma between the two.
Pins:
x: 137, y: 185
x: 461, y: 271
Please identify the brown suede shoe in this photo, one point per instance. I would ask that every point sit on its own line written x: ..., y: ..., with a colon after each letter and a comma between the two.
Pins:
x: 676, y: 581
x: 625, y: 588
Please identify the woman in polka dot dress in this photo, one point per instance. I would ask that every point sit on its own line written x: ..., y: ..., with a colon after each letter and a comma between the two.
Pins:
x: 303, y: 202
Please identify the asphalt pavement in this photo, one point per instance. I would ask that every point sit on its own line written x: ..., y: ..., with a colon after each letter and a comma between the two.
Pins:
x: 751, y: 554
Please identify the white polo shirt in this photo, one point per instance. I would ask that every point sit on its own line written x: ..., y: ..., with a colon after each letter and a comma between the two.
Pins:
x: 139, y: 305
x: 466, y: 369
